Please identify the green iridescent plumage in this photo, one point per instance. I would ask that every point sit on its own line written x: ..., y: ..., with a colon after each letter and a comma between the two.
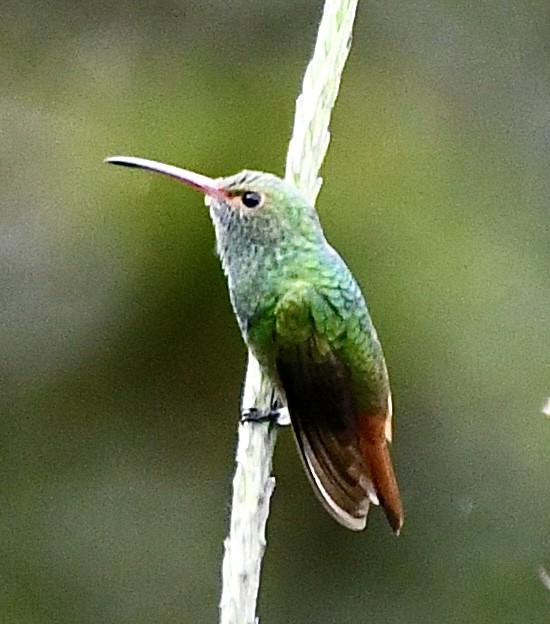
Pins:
x: 303, y: 316
x: 287, y: 283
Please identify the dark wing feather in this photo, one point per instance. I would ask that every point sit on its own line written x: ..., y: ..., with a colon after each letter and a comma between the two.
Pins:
x: 323, y: 416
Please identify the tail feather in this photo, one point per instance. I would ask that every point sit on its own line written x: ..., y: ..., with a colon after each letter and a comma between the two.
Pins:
x: 376, y: 454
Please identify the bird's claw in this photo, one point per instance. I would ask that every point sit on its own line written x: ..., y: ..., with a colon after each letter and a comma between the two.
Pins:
x: 276, y: 416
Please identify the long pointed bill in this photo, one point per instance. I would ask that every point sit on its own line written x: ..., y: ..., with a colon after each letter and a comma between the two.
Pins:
x: 202, y: 183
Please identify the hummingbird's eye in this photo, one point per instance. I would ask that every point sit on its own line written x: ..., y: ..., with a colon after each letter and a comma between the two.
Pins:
x: 250, y: 199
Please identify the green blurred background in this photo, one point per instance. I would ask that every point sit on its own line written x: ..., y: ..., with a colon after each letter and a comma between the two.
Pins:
x: 121, y: 364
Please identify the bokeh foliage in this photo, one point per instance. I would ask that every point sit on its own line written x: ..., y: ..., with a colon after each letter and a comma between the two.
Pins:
x: 121, y: 363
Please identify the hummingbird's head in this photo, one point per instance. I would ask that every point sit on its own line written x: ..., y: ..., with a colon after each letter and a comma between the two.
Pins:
x: 262, y: 209
x: 262, y: 225
x: 249, y: 208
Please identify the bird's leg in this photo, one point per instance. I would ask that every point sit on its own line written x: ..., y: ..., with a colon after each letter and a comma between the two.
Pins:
x: 277, y: 415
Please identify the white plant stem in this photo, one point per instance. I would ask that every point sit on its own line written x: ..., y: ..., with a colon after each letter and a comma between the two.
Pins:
x: 253, y: 483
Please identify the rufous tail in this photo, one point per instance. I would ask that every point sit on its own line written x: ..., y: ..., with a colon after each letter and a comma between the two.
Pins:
x: 376, y: 454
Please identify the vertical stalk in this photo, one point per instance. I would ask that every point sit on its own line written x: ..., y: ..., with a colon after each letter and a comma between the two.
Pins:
x: 253, y: 483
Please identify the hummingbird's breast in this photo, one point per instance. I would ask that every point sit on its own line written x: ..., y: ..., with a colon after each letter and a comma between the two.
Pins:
x: 248, y: 268
x: 261, y: 258
x: 254, y: 289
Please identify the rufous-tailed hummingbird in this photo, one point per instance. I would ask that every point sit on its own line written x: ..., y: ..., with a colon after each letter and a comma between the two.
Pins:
x: 303, y: 316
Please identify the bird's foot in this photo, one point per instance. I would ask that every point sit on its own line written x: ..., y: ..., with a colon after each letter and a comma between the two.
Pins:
x: 276, y: 416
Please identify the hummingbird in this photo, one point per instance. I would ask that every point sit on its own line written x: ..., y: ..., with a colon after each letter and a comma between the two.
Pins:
x: 303, y: 316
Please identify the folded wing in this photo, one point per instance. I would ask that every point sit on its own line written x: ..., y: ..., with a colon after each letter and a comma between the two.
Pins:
x: 343, y: 445
x: 322, y: 412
